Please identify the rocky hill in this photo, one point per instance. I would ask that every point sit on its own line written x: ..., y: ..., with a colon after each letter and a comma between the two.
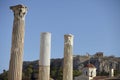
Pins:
x: 102, y: 63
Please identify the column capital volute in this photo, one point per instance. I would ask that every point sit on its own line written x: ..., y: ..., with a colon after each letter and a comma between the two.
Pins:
x: 19, y: 11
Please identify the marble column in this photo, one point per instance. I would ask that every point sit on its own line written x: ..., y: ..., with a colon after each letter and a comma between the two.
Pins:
x: 45, y: 50
x: 111, y: 73
x: 16, y: 59
x: 68, y: 57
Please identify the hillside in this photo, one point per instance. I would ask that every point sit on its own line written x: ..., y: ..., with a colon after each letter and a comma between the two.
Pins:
x: 102, y: 63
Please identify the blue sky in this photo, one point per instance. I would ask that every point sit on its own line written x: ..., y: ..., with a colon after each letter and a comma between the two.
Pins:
x: 95, y: 25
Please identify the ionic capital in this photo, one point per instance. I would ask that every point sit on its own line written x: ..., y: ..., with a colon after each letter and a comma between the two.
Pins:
x: 19, y: 11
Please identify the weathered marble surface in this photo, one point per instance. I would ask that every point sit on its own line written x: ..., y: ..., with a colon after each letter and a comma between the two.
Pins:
x: 45, y: 50
x: 16, y: 59
x: 68, y: 57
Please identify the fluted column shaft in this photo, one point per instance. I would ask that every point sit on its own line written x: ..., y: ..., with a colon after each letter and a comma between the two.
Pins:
x: 16, y: 59
x: 45, y: 49
x: 68, y: 57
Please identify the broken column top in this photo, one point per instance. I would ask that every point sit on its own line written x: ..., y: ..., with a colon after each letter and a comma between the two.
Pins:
x: 18, y: 6
x: 69, y: 35
x: 68, y: 39
x: 45, y: 33
x: 19, y: 10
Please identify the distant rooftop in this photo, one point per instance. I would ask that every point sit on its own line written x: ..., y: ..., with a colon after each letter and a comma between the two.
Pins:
x: 90, y: 66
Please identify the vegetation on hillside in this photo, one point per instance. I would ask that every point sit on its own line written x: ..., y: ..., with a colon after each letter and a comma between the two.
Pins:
x: 30, y: 68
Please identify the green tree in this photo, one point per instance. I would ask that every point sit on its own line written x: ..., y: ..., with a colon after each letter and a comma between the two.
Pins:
x: 76, y: 73
x: 103, y: 73
x: 56, y: 73
x: 28, y: 71
x: 116, y: 72
x: 4, y: 75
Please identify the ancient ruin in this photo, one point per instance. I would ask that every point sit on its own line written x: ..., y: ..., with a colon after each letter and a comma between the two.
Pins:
x: 111, y: 73
x: 88, y: 71
x: 68, y: 57
x: 16, y: 60
x: 45, y: 50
